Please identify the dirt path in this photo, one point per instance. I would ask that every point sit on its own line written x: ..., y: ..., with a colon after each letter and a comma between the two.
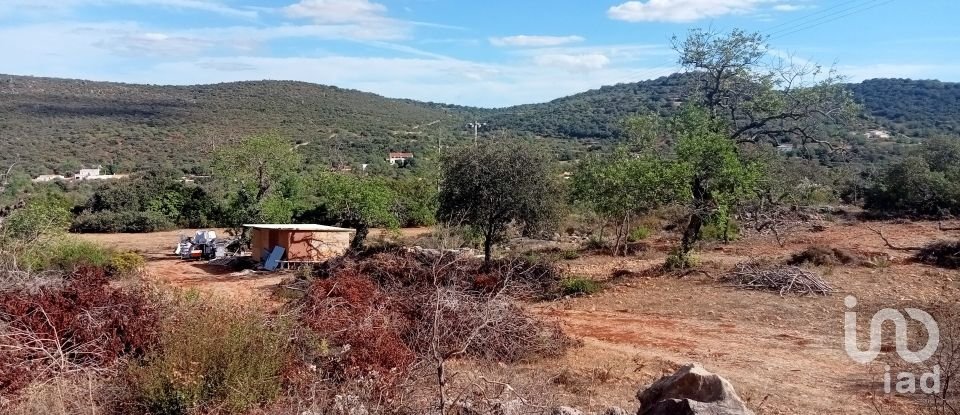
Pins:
x: 786, y: 353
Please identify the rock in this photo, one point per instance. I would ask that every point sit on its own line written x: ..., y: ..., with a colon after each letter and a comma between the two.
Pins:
x: 692, y: 390
x: 614, y: 410
x: 565, y: 410
x: 511, y: 407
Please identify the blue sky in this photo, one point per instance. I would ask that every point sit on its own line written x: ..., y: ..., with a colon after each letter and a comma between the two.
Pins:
x: 487, y: 53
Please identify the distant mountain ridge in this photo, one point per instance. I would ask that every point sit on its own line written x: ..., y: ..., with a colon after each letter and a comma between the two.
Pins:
x: 53, y: 124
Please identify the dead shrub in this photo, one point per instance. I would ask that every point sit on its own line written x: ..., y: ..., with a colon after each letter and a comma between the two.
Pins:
x: 211, y: 355
x: 491, y: 329
x: 85, y: 392
x: 385, y: 312
x: 400, y: 269
x: 351, y: 313
x: 85, y: 324
x: 947, y: 361
x: 944, y: 254
x: 820, y: 255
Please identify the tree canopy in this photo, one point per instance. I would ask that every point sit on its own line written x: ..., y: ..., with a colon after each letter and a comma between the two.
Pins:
x: 495, y: 184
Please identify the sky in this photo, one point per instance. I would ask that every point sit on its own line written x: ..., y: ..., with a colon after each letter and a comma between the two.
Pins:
x: 488, y: 53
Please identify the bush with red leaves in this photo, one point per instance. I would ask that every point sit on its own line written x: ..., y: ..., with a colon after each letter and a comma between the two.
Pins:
x: 81, y: 325
x: 350, y: 310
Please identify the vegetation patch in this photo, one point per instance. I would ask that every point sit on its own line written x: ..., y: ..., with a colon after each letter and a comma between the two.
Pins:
x: 823, y: 255
x: 212, y: 356
x: 944, y: 254
x: 577, y: 285
x: 86, y: 323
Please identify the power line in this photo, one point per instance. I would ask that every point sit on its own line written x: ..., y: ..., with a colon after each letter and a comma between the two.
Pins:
x: 819, y: 11
x: 789, y: 27
x: 822, y: 22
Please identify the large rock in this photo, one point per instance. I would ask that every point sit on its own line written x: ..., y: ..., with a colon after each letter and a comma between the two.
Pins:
x: 692, y: 390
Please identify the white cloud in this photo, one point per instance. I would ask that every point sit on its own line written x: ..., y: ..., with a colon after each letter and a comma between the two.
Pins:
x: 337, y: 11
x: 154, y: 44
x: 679, y: 11
x: 65, y: 6
x: 534, y: 41
x: 573, y: 63
x: 789, y: 7
x: 353, y: 19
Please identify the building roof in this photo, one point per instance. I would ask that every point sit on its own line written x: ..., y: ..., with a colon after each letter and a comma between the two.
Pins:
x: 400, y: 155
x: 298, y: 227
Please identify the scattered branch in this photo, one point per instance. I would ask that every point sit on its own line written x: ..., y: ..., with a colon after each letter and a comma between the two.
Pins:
x: 886, y: 241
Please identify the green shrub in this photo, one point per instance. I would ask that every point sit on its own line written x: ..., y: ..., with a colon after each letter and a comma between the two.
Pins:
x: 570, y: 255
x: 577, y: 285
x: 133, y: 222
x: 638, y: 234
x: 676, y: 260
x: 595, y: 243
x: 720, y: 230
x: 126, y: 263
x: 213, y: 356
x: 66, y: 254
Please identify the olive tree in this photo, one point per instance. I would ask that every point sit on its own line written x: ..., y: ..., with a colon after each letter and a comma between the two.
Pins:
x: 743, y: 94
x: 763, y: 95
x: 493, y: 185
x: 717, y: 180
x: 621, y: 186
x: 260, y: 178
x: 354, y: 202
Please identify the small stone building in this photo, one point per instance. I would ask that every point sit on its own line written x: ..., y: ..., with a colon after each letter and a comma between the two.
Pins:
x: 301, y: 243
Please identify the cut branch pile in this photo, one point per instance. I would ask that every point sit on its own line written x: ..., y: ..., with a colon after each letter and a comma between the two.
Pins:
x: 782, y: 278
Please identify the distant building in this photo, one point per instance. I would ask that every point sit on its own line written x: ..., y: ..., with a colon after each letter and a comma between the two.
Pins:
x: 48, y: 178
x: 877, y: 134
x: 401, y: 158
x: 85, y: 174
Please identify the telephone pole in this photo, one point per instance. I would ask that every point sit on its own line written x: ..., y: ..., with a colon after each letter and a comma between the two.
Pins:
x: 476, y: 130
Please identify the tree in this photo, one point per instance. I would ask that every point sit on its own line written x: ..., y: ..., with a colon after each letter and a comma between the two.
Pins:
x: 762, y: 98
x: 742, y: 96
x: 354, y: 202
x: 260, y: 178
x: 494, y: 185
x: 620, y: 186
x: 44, y: 214
x: 717, y: 180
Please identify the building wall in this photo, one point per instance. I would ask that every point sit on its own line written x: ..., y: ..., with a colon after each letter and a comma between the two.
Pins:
x: 300, y: 245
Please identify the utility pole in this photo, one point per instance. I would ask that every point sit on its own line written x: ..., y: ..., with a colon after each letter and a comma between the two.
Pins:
x: 476, y: 130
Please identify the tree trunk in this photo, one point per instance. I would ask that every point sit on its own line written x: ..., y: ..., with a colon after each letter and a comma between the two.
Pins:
x: 360, y: 236
x: 487, y: 250
x: 691, y: 234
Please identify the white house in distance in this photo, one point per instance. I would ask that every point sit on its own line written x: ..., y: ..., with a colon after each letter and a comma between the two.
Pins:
x: 401, y: 158
x: 881, y: 134
x: 85, y: 174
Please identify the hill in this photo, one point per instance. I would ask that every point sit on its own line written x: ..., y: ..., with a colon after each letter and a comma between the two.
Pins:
x: 903, y: 106
x: 593, y: 114
x: 914, y: 108
x: 61, y: 125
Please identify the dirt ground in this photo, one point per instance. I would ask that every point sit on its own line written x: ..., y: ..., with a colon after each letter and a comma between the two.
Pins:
x: 783, y: 354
